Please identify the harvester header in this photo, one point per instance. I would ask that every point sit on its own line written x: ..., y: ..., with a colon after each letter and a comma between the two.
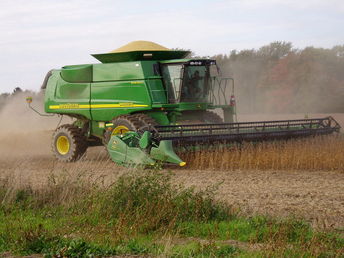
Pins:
x: 143, y: 100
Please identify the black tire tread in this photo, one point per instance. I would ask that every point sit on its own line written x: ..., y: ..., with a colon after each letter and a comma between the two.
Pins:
x: 78, y: 144
x: 146, y: 119
x: 132, y: 120
x: 134, y: 123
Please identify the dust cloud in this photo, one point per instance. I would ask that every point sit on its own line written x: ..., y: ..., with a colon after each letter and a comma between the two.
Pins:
x: 280, y: 79
x: 255, y: 104
x: 22, y: 131
x: 26, y: 158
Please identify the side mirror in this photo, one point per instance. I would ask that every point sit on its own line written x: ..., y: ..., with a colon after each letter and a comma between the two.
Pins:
x: 29, y: 100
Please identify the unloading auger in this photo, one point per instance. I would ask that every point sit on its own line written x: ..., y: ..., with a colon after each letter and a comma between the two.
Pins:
x: 143, y: 99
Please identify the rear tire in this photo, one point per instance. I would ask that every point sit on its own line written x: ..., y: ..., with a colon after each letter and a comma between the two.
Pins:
x: 68, y: 143
x: 147, y: 121
x: 210, y: 117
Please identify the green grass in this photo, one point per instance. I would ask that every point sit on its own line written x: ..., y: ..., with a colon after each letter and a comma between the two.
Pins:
x: 144, y: 213
x: 256, y: 229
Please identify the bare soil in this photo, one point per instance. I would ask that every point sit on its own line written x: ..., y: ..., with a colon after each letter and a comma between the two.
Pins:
x: 316, y: 196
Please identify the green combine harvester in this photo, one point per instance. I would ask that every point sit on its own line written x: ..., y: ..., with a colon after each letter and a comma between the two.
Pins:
x: 143, y: 99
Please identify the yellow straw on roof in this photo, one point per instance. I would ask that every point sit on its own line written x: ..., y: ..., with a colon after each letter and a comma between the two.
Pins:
x: 140, y: 45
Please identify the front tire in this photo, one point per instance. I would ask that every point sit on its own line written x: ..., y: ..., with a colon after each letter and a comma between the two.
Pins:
x: 68, y: 143
x: 123, y: 124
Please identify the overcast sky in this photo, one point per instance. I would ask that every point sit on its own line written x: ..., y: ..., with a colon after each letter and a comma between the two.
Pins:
x: 38, y: 35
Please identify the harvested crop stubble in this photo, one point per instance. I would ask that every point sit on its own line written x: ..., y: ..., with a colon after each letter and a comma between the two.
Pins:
x: 316, y: 153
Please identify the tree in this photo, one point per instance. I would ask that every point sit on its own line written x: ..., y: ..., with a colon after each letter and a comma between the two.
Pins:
x: 17, y: 90
x: 276, y: 50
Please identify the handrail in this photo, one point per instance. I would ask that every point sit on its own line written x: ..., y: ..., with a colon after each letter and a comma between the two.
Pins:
x: 221, y: 90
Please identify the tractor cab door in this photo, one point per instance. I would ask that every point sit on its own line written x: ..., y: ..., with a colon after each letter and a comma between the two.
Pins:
x: 172, y: 77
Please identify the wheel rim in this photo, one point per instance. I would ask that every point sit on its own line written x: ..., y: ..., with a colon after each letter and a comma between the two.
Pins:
x: 121, y: 129
x: 62, y: 145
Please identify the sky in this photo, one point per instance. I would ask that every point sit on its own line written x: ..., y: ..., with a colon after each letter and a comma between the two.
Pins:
x: 39, y: 35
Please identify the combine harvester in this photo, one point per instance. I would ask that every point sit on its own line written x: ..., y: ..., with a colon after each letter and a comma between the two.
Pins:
x: 143, y: 99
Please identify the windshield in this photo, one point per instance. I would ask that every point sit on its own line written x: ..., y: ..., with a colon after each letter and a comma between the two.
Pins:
x: 187, y: 83
x: 195, y: 84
